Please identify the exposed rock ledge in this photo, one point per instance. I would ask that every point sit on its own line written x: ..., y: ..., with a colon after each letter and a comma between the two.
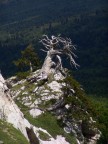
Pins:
x: 10, y: 112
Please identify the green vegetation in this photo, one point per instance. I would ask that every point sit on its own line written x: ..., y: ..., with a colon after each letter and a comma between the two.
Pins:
x: 43, y: 136
x: 10, y: 135
x: 79, y: 98
x: 101, y: 106
x: 22, y: 75
x: 49, y: 122
x: 28, y: 62
x: 80, y: 104
x: 96, y: 106
x: 85, y: 22
x: 46, y: 121
x: 47, y: 104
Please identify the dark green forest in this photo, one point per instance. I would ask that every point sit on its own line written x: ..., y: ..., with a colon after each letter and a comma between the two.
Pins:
x: 23, y: 22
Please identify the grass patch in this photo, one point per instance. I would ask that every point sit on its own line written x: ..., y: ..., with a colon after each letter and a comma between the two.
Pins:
x: 43, y: 136
x: 30, y: 87
x: 46, y: 104
x: 101, y: 106
x: 48, y: 122
x: 10, y: 135
x: 22, y: 107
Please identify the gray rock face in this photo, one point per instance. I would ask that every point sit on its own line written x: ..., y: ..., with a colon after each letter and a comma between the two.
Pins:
x: 65, y: 107
x: 60, y: 103
x: 1, y: 142
x: 11, y: 113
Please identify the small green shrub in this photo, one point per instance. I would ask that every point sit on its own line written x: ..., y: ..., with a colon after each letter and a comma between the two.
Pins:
x: 43, y: 136
x: 49, y: 122
x: 22, y: 75
x: 88, y: 129
x: 10, y: 135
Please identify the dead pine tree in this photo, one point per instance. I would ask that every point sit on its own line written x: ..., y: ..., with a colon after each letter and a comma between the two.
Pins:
x: 55, y: 47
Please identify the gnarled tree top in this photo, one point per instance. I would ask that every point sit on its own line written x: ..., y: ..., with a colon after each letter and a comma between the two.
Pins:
x: 59, y: 46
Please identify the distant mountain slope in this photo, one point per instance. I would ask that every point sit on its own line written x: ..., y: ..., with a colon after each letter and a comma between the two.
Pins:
x: 19, y: 10
x: 84, y: 21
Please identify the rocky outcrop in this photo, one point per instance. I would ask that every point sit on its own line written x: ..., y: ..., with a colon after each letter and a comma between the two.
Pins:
x: 11, y: 113
x: 66, y: 105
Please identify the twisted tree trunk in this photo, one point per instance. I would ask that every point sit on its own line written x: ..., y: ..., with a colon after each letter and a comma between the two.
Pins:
x: 48, y: 63
x: 55, y: 47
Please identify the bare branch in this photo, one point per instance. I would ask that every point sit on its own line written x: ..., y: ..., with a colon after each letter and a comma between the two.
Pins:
x: 55, y: 47
x: 43, y: 50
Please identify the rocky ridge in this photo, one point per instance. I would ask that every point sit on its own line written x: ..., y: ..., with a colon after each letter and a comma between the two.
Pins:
x: 11, y: 113
x: 30, y: 104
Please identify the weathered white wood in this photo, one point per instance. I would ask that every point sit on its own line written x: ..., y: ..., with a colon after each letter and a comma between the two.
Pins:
x: 55, y: 47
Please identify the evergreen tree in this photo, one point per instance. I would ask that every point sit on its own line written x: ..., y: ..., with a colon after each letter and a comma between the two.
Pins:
x: 29, y: 60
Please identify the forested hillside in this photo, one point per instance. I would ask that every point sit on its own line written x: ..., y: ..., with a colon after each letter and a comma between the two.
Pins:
x: 23, y: 22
